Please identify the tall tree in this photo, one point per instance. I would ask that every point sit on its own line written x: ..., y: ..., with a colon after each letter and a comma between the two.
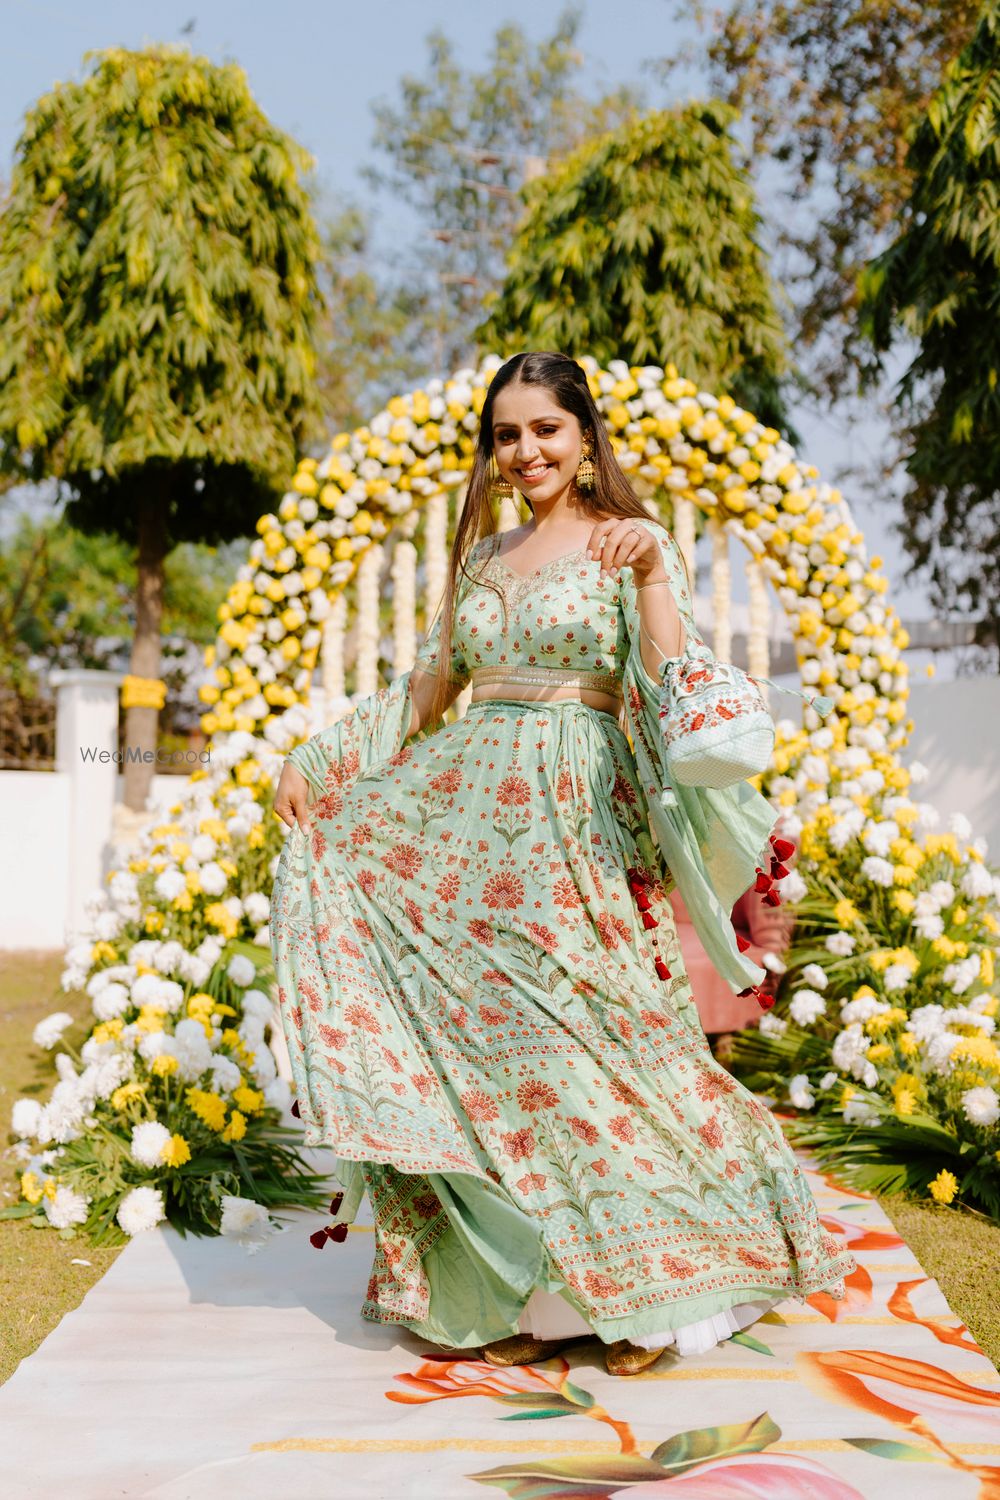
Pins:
x: 458, y: 147
x: 643, y: 246
x: 158, y: 297
x: 939, y: 283
x: 829, y: 89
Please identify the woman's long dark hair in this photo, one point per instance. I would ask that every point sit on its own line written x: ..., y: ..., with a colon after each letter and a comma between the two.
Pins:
x: 611, y: 496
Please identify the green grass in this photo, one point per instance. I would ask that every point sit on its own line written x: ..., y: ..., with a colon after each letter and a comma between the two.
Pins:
x: 39, y: 1283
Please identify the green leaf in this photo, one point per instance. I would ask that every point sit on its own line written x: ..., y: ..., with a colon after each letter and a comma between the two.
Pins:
x: 904, y: 1452
x: 576, y: 1394
x: 687, y: 1449
x: 529, y: 1416
x: 17, y: 1211
x: 749, y: 1342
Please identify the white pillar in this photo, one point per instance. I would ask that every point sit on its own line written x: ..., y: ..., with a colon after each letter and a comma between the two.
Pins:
x: 86, y: 744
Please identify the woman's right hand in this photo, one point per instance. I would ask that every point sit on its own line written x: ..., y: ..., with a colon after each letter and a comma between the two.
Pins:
x: 290, y: 800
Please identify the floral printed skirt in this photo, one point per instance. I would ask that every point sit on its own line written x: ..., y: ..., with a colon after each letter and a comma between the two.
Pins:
x: 471, y: 999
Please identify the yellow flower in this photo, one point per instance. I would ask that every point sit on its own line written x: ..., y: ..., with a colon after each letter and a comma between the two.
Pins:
x: 845, y: 913
x: 163, y: 1065
x: 904, y: 901
x: 126, y: 1092
x: 103, y: 951
x: 944, y: 1187
x: 153, y: 921
x: 31, y: 1188
x: 237, y: 1127
x: 175, y: 1152
x: 908, y: 1044
x: 151, y: 1018
x: 905, y: 1102
x: 880, y: 1053
x: 250, y: 1101
x: 209, y: 1107
x: 200, y: 1005
x: 108, y: 1030
x: 977, y: 1049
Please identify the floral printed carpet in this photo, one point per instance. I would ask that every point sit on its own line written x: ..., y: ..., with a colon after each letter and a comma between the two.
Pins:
x: 194, y: 1369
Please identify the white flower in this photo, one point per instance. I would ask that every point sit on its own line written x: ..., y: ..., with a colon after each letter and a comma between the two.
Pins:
x: 959, y: 975
x: 154, y: 1043
x: 49, y: 1031
x: 213, y: 878
x: 981, y: 1106
x: 861, y: 1010
x: 192, y: 1050
x: 800, y: 1093
x: 110, y: 1001
x: 257, y: 908
x: 66, y: 1208
x: 828, y: 1080
x: 840, y: 944
x: 169, y: 957
x: 772, y: 1025
x: 928, y: 927
x: 878, y: 871
x: 977, y: 882
x: 141, y: 1209
x: 849, y: 1048
x: 792, y: 888
x: 806, y: 1007
x: 960, y: 826
x: 773, y: 962
x: 226, y: 1075
x: 257, y: 1004
x: 169, y: 884
x: 241, y: 970
x: 203, y: 846
x: 210, y: 948
x: 815, y: 976
x: 897, y: 977
x: 148, y: 1141
x: 277, y: 1094
x: 24, y: 1117
x: 153, y: 989
x: 242, y: 1215
x: 859, y: 1112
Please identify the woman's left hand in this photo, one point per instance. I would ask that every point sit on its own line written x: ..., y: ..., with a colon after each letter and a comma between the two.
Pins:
x: 626, y: 543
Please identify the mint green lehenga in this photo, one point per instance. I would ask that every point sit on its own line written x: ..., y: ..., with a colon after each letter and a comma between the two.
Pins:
x: 486, y: 1008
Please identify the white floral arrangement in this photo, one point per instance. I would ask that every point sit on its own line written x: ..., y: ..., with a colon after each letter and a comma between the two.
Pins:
x: 171, y: 1108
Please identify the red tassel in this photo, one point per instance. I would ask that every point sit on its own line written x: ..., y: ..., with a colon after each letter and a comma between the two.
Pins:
x: 763, y: 999
x: 642, y: 901
x: 778, y: 870
x: 742, y: 943
x: 335, y: 1203
x: 295, y: 1109
x: 648, y: 920
x: 338, y: 1232
x: 783, y: 848
x: 763, y: 882
x: 661, y: 969
x: 771, y: 899
x: 318, y: 1239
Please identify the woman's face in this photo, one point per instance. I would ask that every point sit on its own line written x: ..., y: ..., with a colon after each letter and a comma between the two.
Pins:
x: 536, y: 442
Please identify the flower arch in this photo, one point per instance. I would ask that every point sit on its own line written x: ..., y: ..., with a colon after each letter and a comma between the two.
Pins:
x: 671, y: 438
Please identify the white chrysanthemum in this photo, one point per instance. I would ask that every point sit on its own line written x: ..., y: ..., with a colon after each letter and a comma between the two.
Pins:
x: 961, y: 974
x: 828, y: 1080
x: 169, y: 957
x: 258, y: 1005
x: 800, y: 1092
x: 210, y: 950
x: 792, y: 888
x: 860, y: 1112
x: 849, y: 1049
x: 960, y: 826
x: 257, y: 908
x: 840, y: 944
x: 878, y: 837
x: 772, y: 1025
x: 773, y: 962
x: 878, y: 871
x: 24, y: 1117
x: 148, y: 1141
x: 107, y: 925
x: 981, y: 1106
x: 277, y: 1094
x: 263, y: 1066
x: 123, y: 888
x: 927, y: 1021
x: 226, y: 1076
x: 943, y: 893
x: 862, y: 1009
x: 241, y: 1215
x: 896, y: 977
x: 976, y: 882
x: 194, y: 969
x: 48, y: 1032
x: 192, y: 1050
x: 111, y: 1001
x: 66, y: 1208
x: 153, y: 1043
x: 241, y: 970
x: 806, y: 1007
x: 928, y: 927
x: 203, y: 847
x: 262, y: 937
x: 815, y: 976
x: 140, y: 1210
x: 169, y: 884
x: 213, y: 878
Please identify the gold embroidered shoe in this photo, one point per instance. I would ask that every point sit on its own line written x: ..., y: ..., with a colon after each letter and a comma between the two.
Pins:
x: 623, y: 1358
x: 522, y: 1349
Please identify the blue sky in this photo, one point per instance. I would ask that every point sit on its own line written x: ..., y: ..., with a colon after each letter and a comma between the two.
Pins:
x: 316, y: 68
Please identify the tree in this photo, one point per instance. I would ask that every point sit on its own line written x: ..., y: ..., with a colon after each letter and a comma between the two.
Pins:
x: 642, y: 246
x: 458, y: 148
x: 938, y: 283
x: 159, y: 299
x: 829, y: 89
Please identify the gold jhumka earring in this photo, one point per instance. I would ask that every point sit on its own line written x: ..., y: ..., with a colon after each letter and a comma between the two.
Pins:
x: 585, y: 473
x: 500, y: 488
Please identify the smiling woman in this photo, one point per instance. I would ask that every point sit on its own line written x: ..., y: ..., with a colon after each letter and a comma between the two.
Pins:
x: 481, y: 986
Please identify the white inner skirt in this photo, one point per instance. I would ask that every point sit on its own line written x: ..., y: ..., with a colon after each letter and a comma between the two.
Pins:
x: 547, y: 1315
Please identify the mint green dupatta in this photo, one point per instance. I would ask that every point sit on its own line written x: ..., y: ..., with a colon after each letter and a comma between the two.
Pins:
x: 713, y: 841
